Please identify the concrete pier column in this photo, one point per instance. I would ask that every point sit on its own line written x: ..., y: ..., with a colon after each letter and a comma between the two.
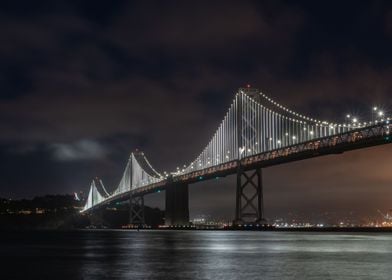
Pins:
x: 177, y: 205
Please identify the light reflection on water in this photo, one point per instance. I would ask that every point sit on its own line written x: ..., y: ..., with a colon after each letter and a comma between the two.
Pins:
x: 195, y: 255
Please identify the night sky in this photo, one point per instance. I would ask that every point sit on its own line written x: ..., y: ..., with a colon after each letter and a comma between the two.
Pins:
x: 84, y: 83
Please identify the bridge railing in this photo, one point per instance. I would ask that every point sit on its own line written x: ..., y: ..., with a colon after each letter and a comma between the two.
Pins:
x: 255, y: 129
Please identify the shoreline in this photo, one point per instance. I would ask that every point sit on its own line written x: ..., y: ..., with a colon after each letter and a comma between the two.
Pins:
x: 189, y: 228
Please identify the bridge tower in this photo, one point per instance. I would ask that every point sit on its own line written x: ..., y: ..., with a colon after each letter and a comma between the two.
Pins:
x: 136, y: 210
x: 138, y: 173
x: 249, y: 192
x: 249, y: 197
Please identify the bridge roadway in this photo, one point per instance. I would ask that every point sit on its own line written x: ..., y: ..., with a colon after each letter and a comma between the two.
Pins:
x: 355, y: 139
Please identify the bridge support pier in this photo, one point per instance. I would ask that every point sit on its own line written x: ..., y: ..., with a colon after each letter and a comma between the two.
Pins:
x: 177, y: 205
x: 97, y: 218
x: 136, y: 210
x: 249, y: 197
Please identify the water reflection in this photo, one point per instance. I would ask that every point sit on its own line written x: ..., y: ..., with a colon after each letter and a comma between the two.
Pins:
x: 195, y: 255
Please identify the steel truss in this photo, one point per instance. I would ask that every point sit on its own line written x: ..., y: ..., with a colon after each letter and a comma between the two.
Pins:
x: 136, y: 210
x: 249, y: 197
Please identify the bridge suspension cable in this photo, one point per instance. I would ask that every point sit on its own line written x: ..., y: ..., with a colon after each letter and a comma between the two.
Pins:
x: 253, y: 124
x: 138, y: 172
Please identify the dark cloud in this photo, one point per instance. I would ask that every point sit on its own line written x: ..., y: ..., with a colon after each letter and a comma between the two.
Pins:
x: 80, y: 150
x: 82, y: 84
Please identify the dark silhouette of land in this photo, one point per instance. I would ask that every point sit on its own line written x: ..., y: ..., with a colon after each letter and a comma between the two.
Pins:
x: 62, y: 212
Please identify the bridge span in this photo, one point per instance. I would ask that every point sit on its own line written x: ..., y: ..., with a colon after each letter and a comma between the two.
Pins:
x: 256, y: 133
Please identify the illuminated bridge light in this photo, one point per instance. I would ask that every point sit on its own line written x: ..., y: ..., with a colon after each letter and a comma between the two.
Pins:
x: 246, y: 134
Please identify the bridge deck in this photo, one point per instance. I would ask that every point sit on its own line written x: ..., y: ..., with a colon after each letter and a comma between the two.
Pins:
x: 354, y: 139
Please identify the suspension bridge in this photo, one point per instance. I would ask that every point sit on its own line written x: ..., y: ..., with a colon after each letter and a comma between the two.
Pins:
x: 255, y: 133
